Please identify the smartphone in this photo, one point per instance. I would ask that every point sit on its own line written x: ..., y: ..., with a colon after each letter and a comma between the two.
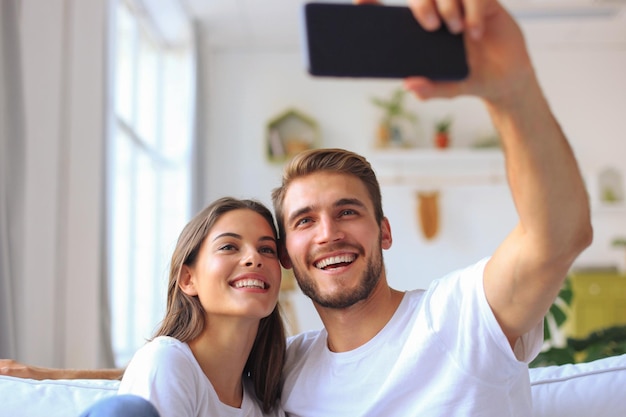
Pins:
x: 375, y: 41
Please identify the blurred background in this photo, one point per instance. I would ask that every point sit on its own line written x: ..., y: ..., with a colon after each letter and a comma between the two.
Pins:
x: 122, y: 118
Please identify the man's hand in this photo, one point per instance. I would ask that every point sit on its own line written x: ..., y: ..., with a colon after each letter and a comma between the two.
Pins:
x: 496, y: 52
x: 499, y: 64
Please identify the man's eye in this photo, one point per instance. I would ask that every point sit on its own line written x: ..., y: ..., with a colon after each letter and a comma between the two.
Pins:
x: 347, y: 212
x: 303, y: 221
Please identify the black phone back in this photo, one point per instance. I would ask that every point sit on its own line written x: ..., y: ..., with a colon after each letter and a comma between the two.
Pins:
x: 374, y: 41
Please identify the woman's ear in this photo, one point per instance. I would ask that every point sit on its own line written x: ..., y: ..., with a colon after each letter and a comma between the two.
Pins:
x: 186, y: 281
x: 283, y: 255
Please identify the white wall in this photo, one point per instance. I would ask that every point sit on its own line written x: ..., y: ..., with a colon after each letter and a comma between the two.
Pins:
x: 581, y: 65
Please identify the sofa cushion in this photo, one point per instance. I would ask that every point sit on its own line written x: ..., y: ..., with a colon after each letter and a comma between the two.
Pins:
x: 582, y: 390
x: 51, y: 398
x: 595, y: 388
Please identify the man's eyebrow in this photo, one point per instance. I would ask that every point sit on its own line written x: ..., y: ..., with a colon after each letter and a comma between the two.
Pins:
x: 298, y: 213
x: 349, y: 202
x: 339, y: 203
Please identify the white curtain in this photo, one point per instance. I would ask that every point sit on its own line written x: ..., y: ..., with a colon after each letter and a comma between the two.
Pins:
x: 198, y: 187
x: 11, y: 174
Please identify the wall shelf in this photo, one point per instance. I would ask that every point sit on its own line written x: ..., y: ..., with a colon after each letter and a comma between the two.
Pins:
x: 606, y: 208
x: 439, y: 167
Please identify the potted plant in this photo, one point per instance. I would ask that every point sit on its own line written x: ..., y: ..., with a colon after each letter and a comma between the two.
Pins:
x: 442, y: 132
x: 390, y: 130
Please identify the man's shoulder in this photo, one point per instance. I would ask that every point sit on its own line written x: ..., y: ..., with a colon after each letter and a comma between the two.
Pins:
x: 463, y: 277
x: 302, y: 341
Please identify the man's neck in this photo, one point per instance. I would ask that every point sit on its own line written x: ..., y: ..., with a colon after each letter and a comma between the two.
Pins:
x: 351, y: 327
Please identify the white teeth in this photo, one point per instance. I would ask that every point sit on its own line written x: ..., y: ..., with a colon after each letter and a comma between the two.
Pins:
x: 335, y: 260
x: 249, y: 283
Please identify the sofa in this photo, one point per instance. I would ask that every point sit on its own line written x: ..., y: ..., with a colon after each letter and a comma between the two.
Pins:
x: 593, y: 389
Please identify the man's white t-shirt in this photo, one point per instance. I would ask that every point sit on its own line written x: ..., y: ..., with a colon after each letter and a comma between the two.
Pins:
x: 441, y: 354
x: 165, y: 372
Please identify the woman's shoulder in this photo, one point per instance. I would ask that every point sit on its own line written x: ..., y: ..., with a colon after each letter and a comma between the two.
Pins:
x: 165, y: 344
x: 165, y: 350
x: 161, y: 361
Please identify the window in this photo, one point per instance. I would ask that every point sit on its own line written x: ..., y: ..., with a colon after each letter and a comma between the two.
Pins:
x: 149, y: 169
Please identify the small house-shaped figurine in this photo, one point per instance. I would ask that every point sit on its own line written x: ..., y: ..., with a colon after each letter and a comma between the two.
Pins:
x: 290, y: 133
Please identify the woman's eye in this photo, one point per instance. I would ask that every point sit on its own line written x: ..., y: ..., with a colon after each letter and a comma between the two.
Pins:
x: 227, y: 247
x: 268, y: 250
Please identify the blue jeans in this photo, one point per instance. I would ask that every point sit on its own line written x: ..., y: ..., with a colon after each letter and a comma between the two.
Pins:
x: 121, y: 406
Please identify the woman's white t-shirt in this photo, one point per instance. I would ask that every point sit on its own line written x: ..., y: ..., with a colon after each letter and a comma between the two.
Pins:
x: 441, y: 354
x: 165, y: 372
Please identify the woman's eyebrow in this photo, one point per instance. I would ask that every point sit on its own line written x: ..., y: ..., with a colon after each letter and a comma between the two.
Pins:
x: 227, y: 234
x: 270, y: 238
x: 238, y: 236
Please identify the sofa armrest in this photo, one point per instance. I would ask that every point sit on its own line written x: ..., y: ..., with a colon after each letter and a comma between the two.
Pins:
x: 595, y: 388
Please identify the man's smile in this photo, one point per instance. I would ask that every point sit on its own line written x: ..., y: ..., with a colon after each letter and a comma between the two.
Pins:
x: 335, y: 261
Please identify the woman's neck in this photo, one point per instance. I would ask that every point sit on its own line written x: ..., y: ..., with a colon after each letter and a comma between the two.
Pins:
x: 222, y: 351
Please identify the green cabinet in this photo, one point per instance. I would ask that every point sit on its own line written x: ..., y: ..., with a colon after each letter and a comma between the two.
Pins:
x: 599, y: 302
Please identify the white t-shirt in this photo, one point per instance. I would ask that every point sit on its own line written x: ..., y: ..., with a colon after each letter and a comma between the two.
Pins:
x: 165, y: 372
x: 441, y: 354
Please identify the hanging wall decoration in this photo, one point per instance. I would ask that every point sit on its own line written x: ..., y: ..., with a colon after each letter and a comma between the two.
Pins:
x: 428, y: 213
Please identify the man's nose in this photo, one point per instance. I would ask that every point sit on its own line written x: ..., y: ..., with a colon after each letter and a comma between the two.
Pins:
x: 329, y: 230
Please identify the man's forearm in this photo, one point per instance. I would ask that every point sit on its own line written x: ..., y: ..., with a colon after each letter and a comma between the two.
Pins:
x: 12, y: 368
x: 111, y: 373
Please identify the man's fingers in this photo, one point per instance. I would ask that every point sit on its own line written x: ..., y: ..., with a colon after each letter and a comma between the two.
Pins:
x: 451, y: 11
x: 475, y: 15
x: 425, y: 89
x: 425, y: 11
x: 457, y: 15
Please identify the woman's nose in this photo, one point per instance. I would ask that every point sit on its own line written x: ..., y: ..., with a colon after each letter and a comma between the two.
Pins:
x: 253, y: 259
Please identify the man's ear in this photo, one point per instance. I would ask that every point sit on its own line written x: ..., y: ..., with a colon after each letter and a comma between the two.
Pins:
x: 284, y: 256
x: 385, y: 229
x: 186, y: 281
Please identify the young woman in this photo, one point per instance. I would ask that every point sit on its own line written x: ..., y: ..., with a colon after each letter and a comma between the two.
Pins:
x: 220, y: 349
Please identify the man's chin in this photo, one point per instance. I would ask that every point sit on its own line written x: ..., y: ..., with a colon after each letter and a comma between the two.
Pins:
x: 338, y: 299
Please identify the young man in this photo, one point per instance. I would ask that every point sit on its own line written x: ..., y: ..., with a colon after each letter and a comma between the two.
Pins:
x: 462, y: 346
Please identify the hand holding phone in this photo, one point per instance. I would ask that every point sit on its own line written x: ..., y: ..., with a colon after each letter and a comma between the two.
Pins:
x: 375, y: 41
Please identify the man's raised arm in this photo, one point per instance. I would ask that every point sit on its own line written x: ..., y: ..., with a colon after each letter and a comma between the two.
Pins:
x: 526, y: 272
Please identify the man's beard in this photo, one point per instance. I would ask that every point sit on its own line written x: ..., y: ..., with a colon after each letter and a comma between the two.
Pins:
x: 370, y: 278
